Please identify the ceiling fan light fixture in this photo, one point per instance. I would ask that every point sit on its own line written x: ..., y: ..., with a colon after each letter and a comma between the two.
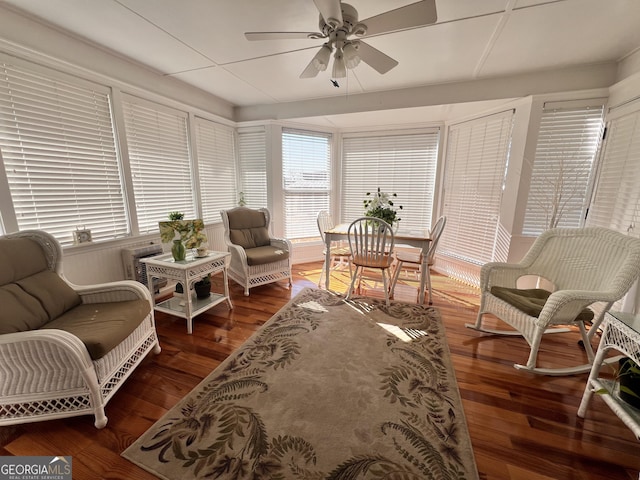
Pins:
x: 322, y: 58
x: 351, y: 57
x: 339, y: 67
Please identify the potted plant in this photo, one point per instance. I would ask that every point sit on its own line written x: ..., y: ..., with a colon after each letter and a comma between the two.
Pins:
x: 203, y: 287
x: 380, y: 205
x: 629, y: 381
x: 183, y: 234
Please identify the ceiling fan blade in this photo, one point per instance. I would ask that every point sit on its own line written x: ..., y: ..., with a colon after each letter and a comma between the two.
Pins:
x: 282, y: 35
x: 375, y: 58
x: 414, y: 15
x: 309, y: 72
x: 331, y: 11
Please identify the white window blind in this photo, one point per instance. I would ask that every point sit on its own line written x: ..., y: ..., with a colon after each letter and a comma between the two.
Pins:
x: 306, y: 176
x: 252, y: 155
x: 475, y: 167
x: 401, y: 163
x: 58, y: 149
x: 160, y: 162
x: 616, y: 203
x: 567, y: 143
x: 216, y: 168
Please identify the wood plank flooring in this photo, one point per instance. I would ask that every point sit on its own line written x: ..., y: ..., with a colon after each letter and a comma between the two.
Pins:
x: 522, y: 426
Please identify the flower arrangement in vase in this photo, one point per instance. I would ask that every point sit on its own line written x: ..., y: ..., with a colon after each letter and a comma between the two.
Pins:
x: 183, y: 234
x: 380, y: 205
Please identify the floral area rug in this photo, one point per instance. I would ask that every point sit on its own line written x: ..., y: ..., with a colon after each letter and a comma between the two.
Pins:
x: 326, y: 389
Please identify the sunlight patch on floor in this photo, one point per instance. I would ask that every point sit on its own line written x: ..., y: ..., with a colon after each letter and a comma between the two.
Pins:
x: 445, y: 289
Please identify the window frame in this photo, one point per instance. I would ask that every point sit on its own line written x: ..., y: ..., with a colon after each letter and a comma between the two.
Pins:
x: 477, y: 158
x: 301, y: 204
x: 568, y: 139
x: 157, y: 139
x: 78, y: 146
x: 396, y: 171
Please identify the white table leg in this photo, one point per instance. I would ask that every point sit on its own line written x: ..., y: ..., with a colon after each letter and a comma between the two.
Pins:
x: 188, y: 304
x: 226, y: 288
x: 423, y: 273
x: 327, y: 260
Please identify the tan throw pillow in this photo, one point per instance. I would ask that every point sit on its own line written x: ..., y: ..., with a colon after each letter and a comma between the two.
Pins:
x: 20, y: 311
x: 55, y: 295
x: 242, y: 237
x: 260, y: 236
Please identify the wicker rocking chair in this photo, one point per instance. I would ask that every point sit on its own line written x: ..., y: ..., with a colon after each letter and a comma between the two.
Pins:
x: 590, y: 268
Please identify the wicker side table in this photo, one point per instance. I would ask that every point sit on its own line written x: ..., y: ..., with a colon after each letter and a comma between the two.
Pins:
x: 621, y: 332
x: 189, y: 271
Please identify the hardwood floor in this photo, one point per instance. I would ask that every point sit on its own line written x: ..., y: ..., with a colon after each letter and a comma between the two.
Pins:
x: 522, y: 426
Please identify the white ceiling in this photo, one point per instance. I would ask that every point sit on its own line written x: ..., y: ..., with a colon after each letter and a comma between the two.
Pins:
x: 202, y: 42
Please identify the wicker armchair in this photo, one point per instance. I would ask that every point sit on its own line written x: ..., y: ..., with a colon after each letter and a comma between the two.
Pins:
x: 590, y: 268
x: 85, y: 343
x: 256, y: 257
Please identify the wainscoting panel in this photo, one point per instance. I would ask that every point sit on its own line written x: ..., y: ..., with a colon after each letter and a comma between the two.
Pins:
x: 98, y: 263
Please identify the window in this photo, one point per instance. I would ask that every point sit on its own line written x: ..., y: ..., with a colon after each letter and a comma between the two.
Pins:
x: 475, y: 167
x: 216, y: 168
x: 616, y: 202
x: 306, y: 175
x: 158, y: 148
x: 567, y: 143
x: 401, y: 163
x: 59, y: 154
x: 252, y: 156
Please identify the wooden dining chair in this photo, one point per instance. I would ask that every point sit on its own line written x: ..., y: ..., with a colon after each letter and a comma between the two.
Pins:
x: 371, y: 242
x: 413, y: 259
x: 340, y: 255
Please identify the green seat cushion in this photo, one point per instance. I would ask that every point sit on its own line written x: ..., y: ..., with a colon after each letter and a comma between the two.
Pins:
x: 54, y: 294
x: 264, y: 255
x: 102, y: 326
x: 19, y: 311
x: 531, y: 301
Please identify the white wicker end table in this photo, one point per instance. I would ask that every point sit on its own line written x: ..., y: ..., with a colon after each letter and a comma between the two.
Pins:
x: 188, y: 272
x: 621, y: 332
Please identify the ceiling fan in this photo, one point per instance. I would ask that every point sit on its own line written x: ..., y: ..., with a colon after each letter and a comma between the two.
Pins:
x: 339, y: 23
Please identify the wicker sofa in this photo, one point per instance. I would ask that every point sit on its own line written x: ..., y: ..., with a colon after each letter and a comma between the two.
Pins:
x: 64, y: 349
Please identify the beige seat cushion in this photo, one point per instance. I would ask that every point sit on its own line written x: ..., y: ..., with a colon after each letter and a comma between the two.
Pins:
x: 102, y: 326
x: 264, y: 255
x: 531, y: 301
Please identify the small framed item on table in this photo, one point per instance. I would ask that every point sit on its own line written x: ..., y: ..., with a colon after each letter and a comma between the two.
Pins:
x: 81, y: 235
